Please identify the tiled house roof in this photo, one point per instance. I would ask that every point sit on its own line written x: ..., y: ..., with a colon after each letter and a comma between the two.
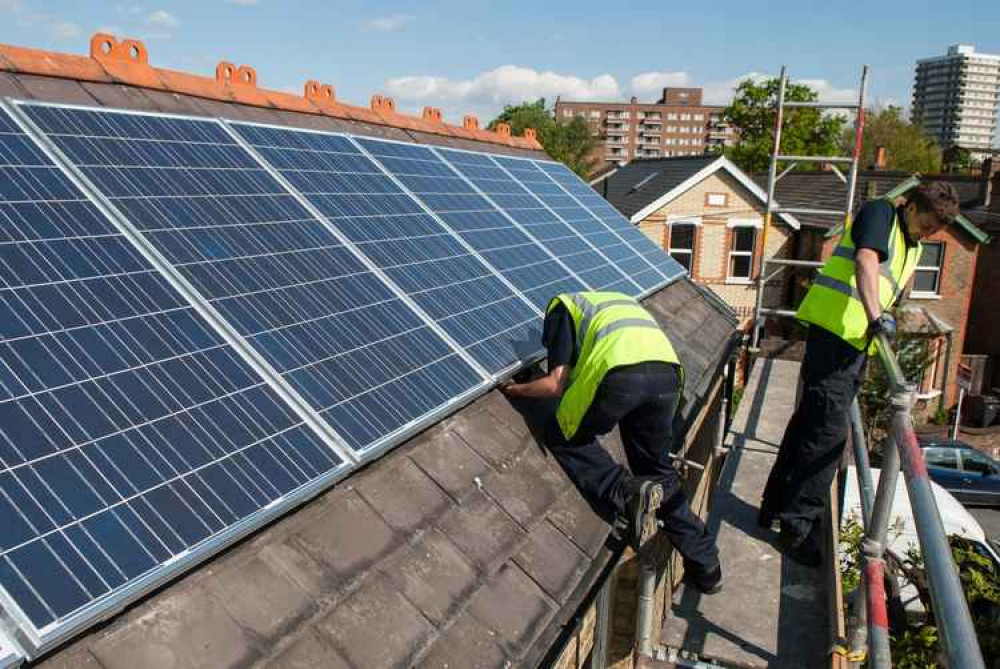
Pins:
x: 825, y: 190
x: 641, y: 182
x: 118, y: 74
x: 643, y: 186
x: 464, y: 547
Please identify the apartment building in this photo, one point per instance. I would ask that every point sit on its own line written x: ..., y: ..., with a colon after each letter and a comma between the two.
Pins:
x: 956, y: 97
x: 678, y: 124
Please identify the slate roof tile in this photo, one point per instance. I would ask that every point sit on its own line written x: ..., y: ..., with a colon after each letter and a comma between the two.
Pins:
x: 402, y: 494
x: 433, y: 575
x: 377, y: 626
x: 467, y: 644
x: 483, y: 531
x: 513, y: 606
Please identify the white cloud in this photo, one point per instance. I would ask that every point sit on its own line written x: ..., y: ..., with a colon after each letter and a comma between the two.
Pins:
x: 389, y: 23
x: 66, y: 30
x: 651, y: 84
x: 507, y: 84
x: 828, y: 92
x: 244, y: 3
x: 162, y: 19
x: 721, y: 92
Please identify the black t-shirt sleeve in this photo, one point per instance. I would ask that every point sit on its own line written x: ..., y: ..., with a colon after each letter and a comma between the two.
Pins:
x: 557, y: 337
x: 873, y: 226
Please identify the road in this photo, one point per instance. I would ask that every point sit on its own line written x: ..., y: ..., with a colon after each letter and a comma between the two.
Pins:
x: 989, y: 519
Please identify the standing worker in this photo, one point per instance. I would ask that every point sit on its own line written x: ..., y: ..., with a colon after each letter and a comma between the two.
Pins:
x: 611, y: 364
x: 846, y: 306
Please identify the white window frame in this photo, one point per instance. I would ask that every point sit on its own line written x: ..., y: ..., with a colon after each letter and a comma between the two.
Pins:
x: 683, y: 220
x: 756, y: 224
x: 930, y: 294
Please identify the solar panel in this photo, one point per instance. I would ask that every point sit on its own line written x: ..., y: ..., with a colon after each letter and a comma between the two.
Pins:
x: 446, y: 279
x: 611, y: 217
x: 590, y: 265
x: 132, y: 435
x: 581, y: 221
x: 309, y: 305
x: 529, y: 267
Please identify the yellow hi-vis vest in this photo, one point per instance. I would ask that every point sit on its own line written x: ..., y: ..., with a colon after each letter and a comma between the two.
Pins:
x: 612, y: 330
x: 833, y: 301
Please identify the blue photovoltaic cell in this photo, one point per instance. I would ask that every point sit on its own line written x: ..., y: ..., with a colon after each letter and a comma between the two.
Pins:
x: 549, y: 230
x: 517, y: 256
x: 581, y: 221
x: 358, y: 355
x: 611, y: 217
x: 454, y: 287
x: 130, y: 432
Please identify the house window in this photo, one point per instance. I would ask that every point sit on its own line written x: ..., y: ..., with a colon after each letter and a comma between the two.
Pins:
x: 716, y: 199
x: 742, y: 240
x: 680, y: 240
x: 927, y: 278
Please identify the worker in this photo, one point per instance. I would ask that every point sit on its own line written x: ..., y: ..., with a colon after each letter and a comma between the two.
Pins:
x: 611, y: 364
x: 847, y: 305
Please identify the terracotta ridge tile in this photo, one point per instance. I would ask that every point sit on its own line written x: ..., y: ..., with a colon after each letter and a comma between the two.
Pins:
x: 126, y: 62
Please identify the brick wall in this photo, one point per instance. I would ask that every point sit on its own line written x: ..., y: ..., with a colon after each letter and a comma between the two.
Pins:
x: 957, y: 279
x: 984, y: 310
x: 713, y: 238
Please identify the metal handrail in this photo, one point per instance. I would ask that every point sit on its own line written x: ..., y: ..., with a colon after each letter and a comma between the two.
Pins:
x: 902, y: 453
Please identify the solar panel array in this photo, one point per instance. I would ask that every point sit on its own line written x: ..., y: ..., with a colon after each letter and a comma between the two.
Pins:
x: 202, y: 322
x: 130, y: 430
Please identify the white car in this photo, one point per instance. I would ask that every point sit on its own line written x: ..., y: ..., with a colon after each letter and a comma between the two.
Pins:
x: 903, y: 531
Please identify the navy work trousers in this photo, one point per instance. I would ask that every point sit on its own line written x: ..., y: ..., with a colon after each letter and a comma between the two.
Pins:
x: 641, y: 399
x: 810, y: 452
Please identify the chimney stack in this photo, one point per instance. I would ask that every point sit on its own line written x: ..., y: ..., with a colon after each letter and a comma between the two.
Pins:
x: 881, y: 157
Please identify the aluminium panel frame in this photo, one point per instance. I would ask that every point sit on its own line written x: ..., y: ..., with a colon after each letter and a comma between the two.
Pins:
x: 35, y: 641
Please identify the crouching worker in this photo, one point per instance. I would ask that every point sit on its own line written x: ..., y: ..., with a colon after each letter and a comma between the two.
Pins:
x: 611, y: 364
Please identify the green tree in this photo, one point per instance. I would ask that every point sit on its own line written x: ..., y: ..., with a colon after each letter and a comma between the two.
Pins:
x: 909, y: 148
x: 806, y: 131
x: 958, y: 159
x: 569, y: 142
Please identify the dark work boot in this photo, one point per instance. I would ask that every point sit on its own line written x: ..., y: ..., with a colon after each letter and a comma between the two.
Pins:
x: 708, y: 580
x: 765, y: 517
x: 800, y: 548
x: 643, y: 499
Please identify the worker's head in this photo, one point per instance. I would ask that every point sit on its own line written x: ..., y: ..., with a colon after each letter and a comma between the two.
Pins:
x: 930, y: 207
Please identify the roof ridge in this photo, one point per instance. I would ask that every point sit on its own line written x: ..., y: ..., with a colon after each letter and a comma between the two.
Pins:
x: 126, y: 62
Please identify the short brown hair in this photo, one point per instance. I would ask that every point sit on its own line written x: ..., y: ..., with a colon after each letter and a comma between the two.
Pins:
x: 937, y: 197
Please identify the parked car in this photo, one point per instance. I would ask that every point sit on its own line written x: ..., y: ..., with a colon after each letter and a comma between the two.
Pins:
x: 970, y: 475
x: 902, y: 534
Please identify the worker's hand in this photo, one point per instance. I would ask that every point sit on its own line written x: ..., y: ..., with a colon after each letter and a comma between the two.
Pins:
x: 884, y: 324
x: 507, y: 388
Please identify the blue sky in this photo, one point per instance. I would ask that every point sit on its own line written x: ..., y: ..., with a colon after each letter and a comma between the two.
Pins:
x: 472, y: 58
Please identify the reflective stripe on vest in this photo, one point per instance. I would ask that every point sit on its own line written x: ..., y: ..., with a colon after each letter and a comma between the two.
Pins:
x: 833, y: 301
x: 612, y: 330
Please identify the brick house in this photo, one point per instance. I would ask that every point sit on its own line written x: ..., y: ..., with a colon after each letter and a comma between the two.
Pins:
x: 709, y: 215
x: 678, y: 124
x: 984, y: 312
x: 936, y: 307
